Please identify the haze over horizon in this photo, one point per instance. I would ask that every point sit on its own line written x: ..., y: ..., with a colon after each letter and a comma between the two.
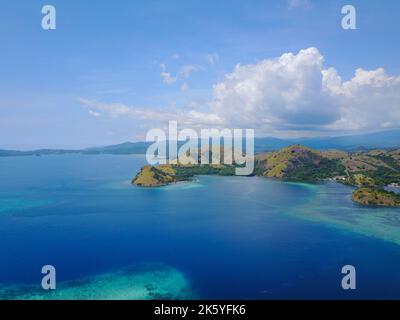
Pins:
x: 380, y: 140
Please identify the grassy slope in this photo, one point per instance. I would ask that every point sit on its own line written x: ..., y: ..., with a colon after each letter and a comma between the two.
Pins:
x: 367, y: 170
x: 376, y: 197
x: 301, y: 163
x: 152, y: 176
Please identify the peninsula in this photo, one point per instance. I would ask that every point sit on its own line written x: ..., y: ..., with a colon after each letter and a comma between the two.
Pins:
x: 369, y: 171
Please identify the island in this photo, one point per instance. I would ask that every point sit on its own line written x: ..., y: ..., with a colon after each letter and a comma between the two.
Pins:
x: 376, y: 197
x: 161, y: 175
x: 369, y: 171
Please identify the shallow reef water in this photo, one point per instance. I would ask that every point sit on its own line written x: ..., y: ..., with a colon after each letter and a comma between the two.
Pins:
x: 332, y: 206
x: 144, y: 282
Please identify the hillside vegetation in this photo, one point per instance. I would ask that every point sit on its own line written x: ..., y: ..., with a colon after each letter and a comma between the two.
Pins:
x: 299, y: 163
x: 151, y: 176
x: 155, y: 176
x: 370, y: 170
x: 376, y: 197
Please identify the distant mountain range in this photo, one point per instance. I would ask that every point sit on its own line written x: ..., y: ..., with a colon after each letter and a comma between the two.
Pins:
x: 123, y: 148
x: 379, y: 140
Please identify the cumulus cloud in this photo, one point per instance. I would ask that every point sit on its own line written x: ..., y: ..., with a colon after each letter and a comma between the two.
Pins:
x: 294, y: 94
x: 284, y: 92
x: 369, y: 101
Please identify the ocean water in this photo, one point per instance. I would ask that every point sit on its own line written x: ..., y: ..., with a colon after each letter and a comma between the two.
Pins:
x: 214, y: 238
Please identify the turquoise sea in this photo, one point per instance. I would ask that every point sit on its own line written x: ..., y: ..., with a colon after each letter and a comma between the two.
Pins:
x: 214, y: 238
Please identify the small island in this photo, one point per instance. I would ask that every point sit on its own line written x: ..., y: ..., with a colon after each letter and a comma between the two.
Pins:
x: 151, y: 176
x: 376, y: 197
x: 161, y: 175
x: 369, y: 171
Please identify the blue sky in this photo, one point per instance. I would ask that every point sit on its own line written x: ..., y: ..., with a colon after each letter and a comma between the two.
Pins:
x: 110, y: 66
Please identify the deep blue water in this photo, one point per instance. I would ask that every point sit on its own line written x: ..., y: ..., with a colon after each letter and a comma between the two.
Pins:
x: 232, y: 237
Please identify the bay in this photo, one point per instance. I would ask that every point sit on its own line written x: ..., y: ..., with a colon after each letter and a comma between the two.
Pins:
x: 224, y: 237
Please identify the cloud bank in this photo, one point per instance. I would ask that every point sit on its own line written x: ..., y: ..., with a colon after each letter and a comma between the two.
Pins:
x: 294, y: 94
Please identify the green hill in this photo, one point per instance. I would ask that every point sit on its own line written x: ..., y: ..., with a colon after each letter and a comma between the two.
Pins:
x: 376, y: 197
x: 300, y: 163
x: 161, y: 175
x: 370, y: 171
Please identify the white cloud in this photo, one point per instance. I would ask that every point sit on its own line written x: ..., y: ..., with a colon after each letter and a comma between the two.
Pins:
x: 94, y: 113
x: 186, y: 70
x: 212, y: 58
x: 120, y: 110
x: 369, y: 101
x: 294, y: 94
x: 167, y: 77
x: 284, y: 93
x: 150, y: 117
x: 184, y: 73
